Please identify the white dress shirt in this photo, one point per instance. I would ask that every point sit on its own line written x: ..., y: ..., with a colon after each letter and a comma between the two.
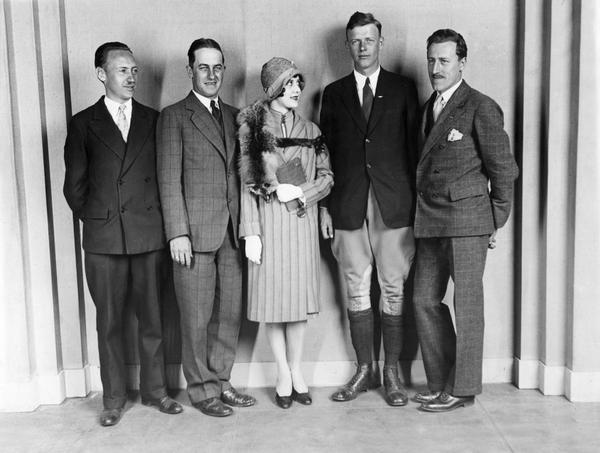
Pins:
x: 361, y: 80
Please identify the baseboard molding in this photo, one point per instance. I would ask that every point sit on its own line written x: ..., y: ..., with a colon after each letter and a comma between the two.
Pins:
x: 534, y: 374
x: 29, y: 395
x: 526, y: 373
x: 73, y: 383
x: 582, y: 386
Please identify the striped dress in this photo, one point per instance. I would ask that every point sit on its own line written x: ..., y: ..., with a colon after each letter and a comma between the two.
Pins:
x: 285, y: 286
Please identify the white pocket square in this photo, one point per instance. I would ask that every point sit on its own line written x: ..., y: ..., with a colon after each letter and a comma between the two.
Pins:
x: 454, y: 135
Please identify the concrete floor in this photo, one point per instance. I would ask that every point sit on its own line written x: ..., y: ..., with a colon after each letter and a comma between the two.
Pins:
x: 504, y: 419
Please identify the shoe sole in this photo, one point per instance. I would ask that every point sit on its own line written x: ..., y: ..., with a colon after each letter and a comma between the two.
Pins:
x: 463, y: 404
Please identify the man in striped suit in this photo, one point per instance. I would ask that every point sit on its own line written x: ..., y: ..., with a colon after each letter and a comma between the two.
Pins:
x: 199, y: 191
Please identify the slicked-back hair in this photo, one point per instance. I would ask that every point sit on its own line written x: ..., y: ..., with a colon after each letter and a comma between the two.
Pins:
x: 358, y: 19
x: 203, y: 43
x: 449, y: 35
x: 102, y: 52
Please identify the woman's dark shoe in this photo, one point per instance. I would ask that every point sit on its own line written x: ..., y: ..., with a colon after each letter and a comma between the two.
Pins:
x: 302, y: 398
x: 283, y: 402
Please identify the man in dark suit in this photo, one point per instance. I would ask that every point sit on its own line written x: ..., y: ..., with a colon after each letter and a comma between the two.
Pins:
x: 465, y: 149
x: 199, y: 191
x: 369, y: 119
x: 110, y: 184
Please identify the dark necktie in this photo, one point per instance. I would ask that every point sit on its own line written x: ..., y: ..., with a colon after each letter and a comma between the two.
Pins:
x: 367, y: 99
x: 216, y: 113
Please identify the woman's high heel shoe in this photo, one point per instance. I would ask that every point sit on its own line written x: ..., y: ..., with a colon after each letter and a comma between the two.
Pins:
x: 302, y: 398
x: 283, y: 402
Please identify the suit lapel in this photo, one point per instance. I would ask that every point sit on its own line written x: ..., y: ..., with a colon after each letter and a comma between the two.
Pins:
x: 202, y: 119
x: 229, y: 130
x: 103, y: 126
x: 448, y: 114
x: 350, y: 100
x: 139, y: 130
x: 379, y: 100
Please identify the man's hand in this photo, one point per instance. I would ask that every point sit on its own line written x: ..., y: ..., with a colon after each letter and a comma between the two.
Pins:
x: 326, y: 223
x: 288, y: 192
x: 253, y: 248
x: 492, y: 240
x: 181, y: 250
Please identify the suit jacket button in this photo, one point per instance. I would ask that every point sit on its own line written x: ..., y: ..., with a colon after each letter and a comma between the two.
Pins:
x: 434, y: 195
x: 123, y: 210
x: 368, y: 165
x: 147, y: 179
x: 149, y: 208
x: 120, y: 182
x: 367, y: 140
x: 436, y: 172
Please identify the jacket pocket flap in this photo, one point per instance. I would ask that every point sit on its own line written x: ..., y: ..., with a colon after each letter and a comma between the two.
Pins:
x: 461, y: 192
x: 96, y: 213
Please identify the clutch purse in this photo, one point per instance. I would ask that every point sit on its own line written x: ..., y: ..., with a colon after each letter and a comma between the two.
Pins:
x: 291, y: 172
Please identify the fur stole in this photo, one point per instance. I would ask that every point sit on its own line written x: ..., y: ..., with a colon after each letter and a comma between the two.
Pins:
x: 258, y: 158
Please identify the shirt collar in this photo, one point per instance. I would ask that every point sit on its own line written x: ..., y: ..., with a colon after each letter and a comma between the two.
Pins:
x: 206, y: 101
x: 113, y: 107
x: 446, y: 95
x: 361, y: 79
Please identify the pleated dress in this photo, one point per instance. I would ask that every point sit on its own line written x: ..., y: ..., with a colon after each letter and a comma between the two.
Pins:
x: 284, y: 287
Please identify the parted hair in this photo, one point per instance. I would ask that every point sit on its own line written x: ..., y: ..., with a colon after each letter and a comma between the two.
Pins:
x: 203, y: 43
x: 102, y: 52
x: 449, y: 35
x: 358, y: 19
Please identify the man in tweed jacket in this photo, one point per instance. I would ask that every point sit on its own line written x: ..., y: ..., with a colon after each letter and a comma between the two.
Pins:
x: 199, y: 191
x: 465, y: 178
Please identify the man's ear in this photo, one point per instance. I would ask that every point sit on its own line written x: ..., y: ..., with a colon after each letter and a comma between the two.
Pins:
x: 101, y: 74
x: 190, y: 71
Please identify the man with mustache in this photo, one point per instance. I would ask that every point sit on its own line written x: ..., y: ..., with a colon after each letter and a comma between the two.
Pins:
x: 464, y: 150
x: 110, y: 184
x: 199, y: 190
x: 369, y: 120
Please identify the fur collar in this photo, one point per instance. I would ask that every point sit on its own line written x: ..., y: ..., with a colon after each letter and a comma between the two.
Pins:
x: 258, y: 158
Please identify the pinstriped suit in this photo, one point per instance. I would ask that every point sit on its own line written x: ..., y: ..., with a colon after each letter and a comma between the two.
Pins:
x: 455, y: 215
x: 284, y: 287
x: 199, y: 191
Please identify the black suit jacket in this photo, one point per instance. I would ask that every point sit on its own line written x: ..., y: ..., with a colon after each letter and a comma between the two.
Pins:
x: 381, y: 153
x: 110, y: 185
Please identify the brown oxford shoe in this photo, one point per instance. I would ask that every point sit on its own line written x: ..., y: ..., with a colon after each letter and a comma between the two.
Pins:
x: 366, y: 378
x: 394, y: 392
x: 164, y: 404
x: 213, y: 407
x: 110, y: 417
x: 232, y: 397
x: 425, y: 397
x: 446, y: 402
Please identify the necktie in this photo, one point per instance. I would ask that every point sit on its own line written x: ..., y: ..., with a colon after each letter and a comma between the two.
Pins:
x: 122, y: 122
x: 438, y: 106
x: 216, y: 113
x: 367, y: 99
x: 283, y: 128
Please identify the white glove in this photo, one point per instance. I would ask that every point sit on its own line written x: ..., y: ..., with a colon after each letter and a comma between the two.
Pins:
x: 288, y: 192
x: 253, y: 248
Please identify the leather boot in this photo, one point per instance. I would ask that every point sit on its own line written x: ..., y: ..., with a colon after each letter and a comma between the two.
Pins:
x: 366, y: 378
x: 394, y: 391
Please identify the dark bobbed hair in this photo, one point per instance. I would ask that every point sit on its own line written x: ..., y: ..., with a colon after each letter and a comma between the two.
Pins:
x: 203, y: 43
x: 101, y: 54
x: 358, y: 19
x: 449, y: 35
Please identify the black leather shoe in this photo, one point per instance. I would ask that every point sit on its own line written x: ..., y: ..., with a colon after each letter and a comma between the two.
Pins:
x: 446, y: 402
x: 302, y: 398
x: 283, y: 402
x: 232, y: 397
x: 110, y: 417
x: 425, y: 397
x: 164, y: 404
x: 213, y: 407
x: 394, y: 391
x: 366, y: 378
